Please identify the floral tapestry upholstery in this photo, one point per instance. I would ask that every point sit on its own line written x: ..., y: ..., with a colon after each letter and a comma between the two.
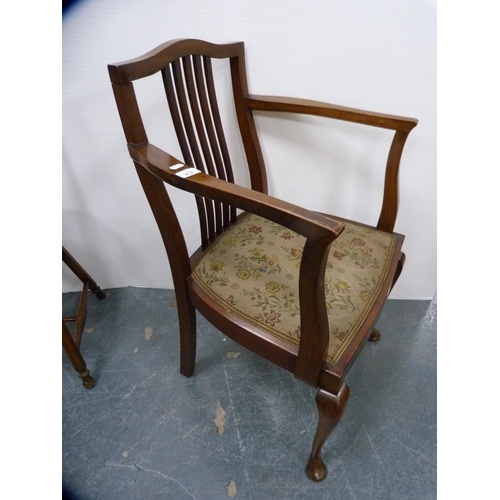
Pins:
x: 253, y: 270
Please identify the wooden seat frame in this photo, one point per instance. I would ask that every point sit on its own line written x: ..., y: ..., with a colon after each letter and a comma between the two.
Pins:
x: 186, y: 70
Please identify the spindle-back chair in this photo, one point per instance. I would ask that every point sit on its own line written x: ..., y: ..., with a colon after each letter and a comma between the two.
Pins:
x: 299, y: 288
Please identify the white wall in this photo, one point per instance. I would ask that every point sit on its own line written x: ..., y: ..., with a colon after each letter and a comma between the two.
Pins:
x: 378, y: 55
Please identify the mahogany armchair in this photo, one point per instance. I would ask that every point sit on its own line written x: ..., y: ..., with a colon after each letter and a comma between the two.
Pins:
x: 299, y: 288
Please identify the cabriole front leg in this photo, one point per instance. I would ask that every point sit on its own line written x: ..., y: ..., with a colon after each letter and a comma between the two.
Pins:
x: 330, y: 409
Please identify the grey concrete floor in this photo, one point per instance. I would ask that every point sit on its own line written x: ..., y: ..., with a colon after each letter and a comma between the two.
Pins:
x: 146, y: 432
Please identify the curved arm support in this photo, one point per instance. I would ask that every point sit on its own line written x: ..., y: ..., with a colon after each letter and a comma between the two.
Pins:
x: 389, y: 211
x: 400, y: 124
x: 314, y: 331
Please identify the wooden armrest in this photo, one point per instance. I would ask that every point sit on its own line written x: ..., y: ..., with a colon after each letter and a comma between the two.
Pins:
x: 305, y: 222
x: 320, y: 231
x: 317, y: 108
x: 401, y: 125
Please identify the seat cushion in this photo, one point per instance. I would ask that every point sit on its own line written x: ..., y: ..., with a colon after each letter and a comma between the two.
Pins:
x: 253, y: 270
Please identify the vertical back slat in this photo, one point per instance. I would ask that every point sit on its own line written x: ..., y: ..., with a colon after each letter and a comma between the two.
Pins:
x: 195, y: 100
x: 173, y: 103
x: 207, y: 116
x: 183, y: 101
x: 196, y: 113
x: 180, y: 89
x: 221, y: 210
x: 191, y: 95
x: 220, y: 132
x: 176, y: 117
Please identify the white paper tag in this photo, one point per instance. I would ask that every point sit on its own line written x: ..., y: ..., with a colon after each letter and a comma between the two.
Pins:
x: 188, y: 172
x: 177, y: 166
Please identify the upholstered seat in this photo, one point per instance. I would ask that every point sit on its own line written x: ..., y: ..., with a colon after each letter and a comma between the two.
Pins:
x: 252, y: 269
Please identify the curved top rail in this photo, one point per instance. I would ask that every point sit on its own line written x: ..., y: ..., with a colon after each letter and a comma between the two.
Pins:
x: 156, y: 59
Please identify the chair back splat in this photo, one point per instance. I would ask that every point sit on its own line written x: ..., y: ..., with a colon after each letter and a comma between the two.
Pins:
x: 189, y: 85
x: 299, y: 288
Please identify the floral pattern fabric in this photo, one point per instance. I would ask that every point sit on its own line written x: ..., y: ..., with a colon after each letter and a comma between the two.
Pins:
x: 253, y: 270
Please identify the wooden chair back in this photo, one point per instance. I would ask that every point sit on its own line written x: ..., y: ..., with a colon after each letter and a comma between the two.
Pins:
x: 188, y: 79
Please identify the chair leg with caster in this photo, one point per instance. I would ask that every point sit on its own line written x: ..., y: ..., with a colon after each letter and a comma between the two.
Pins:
x: 76, y: 358
x: 70, y: 345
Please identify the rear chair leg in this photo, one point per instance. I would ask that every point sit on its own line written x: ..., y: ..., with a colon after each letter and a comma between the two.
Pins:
x: 187, y: 327
x: 330, y: 409
x: 375, y: 335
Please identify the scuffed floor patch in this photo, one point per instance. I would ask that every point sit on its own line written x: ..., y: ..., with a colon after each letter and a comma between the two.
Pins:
x: 220, y: 418
x: 148, y: 332
x: 231, y: 489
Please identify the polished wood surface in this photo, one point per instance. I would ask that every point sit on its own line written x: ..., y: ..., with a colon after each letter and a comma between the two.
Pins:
x: 71, y: 344
x: 187, y: 76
